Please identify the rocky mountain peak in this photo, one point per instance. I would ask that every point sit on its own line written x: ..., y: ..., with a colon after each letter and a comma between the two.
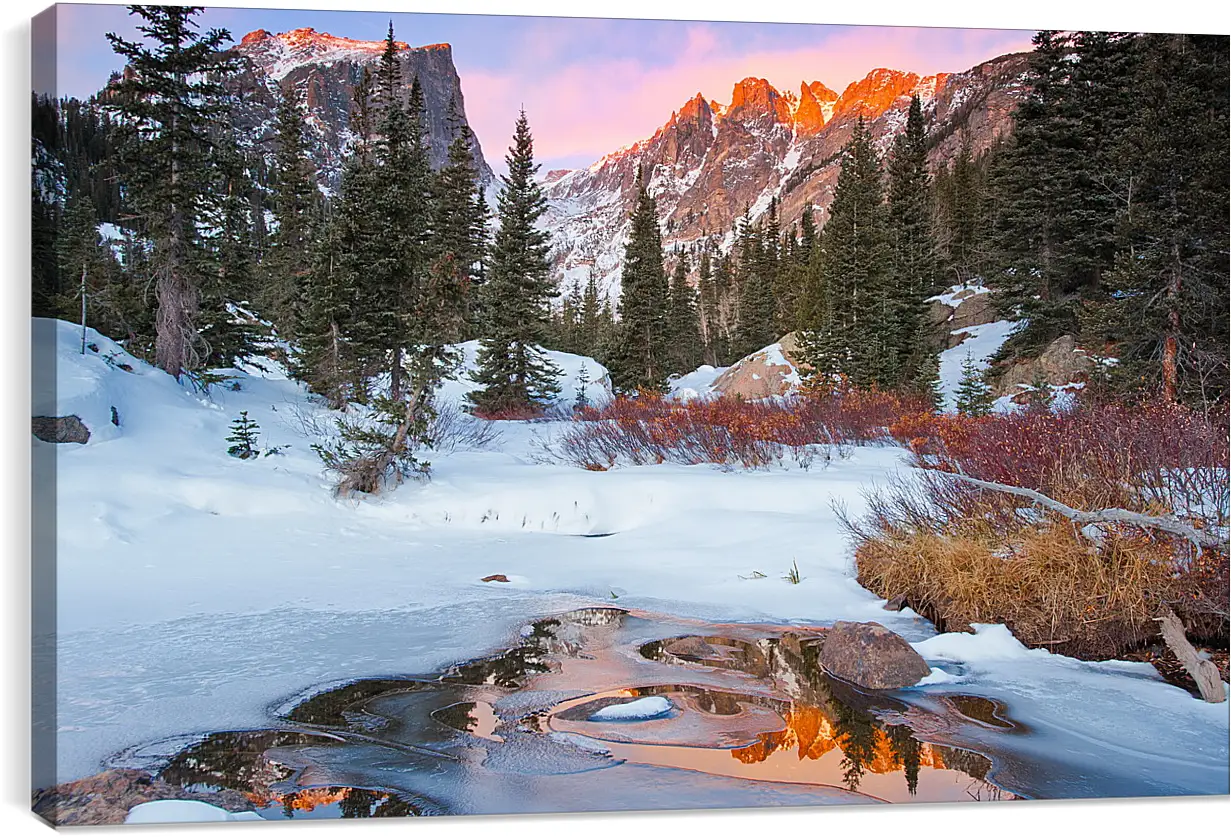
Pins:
x: 754, y: 99
x: 875, y: 93
x: 323, y: 69
x: 816, y: 103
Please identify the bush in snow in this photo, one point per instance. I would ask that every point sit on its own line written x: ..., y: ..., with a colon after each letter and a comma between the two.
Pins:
x: 243, y: 437
x: 962, y: 554
x: 730, y: 431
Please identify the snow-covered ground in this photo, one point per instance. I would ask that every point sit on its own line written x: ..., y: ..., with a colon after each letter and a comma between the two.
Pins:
x: 196, y: 590
x: 694, y: 385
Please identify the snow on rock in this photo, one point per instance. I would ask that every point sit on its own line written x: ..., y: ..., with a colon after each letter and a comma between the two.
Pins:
x: 640, y: 710
x: 694, y: 385
x: 766, y: 373
x: 957, y: 293
x: 184, y: 811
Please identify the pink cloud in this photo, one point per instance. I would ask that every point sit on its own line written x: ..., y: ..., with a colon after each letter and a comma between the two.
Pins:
x: 586, y: 109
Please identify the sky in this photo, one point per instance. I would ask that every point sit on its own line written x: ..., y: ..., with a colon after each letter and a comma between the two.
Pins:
x: 589, y: 85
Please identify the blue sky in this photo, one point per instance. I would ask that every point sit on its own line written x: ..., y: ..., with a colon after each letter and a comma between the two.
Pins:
x: 589, y: 86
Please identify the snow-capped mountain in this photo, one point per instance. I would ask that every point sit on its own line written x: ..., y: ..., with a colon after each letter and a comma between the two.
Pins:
x: 711, y: 161
x: 324, y: 68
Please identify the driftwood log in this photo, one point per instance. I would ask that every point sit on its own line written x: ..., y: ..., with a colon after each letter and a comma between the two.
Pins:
x: 1204, y: 672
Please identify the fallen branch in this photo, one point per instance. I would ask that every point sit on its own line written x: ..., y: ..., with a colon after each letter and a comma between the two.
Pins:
x: 1204, y: 672
x: 1164, y: 523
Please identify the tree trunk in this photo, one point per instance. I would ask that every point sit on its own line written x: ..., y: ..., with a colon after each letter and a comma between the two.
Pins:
x: 1204, y: 672
x: 1171, y: 342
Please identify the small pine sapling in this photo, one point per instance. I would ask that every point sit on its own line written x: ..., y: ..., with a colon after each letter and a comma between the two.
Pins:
x: 1040, y: 392
x: 581, y: 402
x: 243, y: 437
x: 973, y: 397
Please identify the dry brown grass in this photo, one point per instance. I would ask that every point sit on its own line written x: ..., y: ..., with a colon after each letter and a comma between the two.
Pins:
x: 960, y: 556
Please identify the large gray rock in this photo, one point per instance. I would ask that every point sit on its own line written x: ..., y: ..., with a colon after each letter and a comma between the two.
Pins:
x: 106, y: 798
x: 870, y: 655
x: 60, y: 429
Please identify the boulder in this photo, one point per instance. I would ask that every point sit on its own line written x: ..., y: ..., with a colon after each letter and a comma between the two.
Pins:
x: 871, y: 656
x: 772, y: 371
x: 60, y: 429
x: 106, y: 798
x: 1062, y: 362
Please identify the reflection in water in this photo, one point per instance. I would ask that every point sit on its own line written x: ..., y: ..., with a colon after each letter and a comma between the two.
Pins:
x: 754, y: 720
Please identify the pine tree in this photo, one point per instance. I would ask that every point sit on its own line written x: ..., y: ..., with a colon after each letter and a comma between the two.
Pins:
x: 973, y: 397
x: 90, y: 274
x: 914, y: 274
x: 296, y: 209
x: 226, y: 336
x: 757, y: 267
x: 640, y: 361
x: 592, y: 325
x: 711, y: 316
x: 243, y: 437
x: 460, y: 226
x: 683, y: 324
x: 168, y: 100
x: 846, y: 335
x: 1167, y: 301
x: 514, y: 375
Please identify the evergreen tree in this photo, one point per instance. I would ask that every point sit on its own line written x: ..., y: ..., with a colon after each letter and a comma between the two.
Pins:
x: 514, y: 375
x: 593, y: 325
x: 168, y: 100
x: 461, y: 222
x: 711, y: 320
x: 243, y: 437
x: 757, y: 267
x: 639, y: 361
x: 914, y: 275
x: 90, y: 274
x: 683, y: 324
x: 227, y: 336
x: 326, y: 360
x: 846, y: 335
x: 1167, y: 301
x: 295, y: 204
x: 973, y: 397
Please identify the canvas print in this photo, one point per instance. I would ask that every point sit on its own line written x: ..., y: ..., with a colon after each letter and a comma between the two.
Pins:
x: 454, y: 414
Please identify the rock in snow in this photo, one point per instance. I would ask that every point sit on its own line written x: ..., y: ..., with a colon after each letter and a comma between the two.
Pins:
x: 870, y: 655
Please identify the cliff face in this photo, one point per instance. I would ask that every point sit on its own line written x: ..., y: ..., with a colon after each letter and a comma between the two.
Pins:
x: 324, y: 69
x: 709, y: 162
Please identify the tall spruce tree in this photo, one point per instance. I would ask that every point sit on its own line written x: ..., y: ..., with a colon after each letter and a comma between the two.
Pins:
x: 914, y: 274
x: 515, y: 376
x: 168, y: 99
x: 295, y: 205
x: 1166, y: 301
x: 639, y: 361
x: 684, y: 348
x: 846, y: 336
x: 460, y: 222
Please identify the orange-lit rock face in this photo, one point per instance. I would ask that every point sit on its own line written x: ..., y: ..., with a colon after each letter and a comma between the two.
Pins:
x: 815, y: 105
x: 756, y: 99
x: 875, y: 93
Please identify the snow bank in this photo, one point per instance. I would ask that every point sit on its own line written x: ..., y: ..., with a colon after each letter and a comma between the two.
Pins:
x: 184, y: 811
x: 981, y: 343
x: 694, y: 385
